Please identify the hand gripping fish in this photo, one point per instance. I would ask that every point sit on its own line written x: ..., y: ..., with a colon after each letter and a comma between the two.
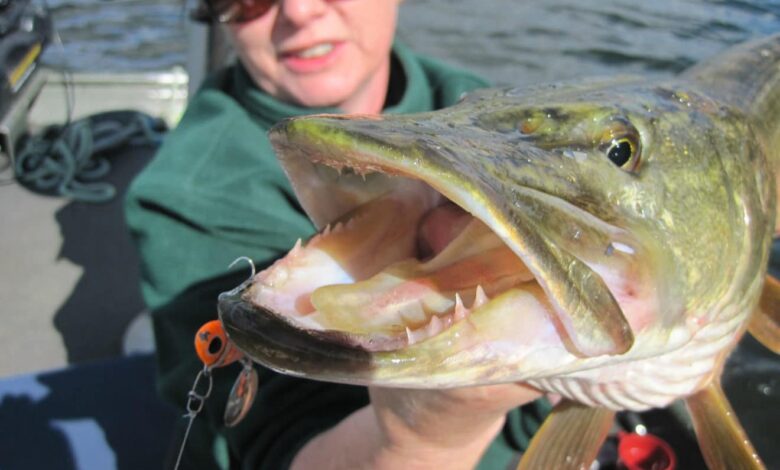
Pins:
x: 606, y: 240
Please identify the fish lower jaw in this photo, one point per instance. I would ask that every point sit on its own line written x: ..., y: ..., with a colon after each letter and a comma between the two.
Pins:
x: 414, y: 324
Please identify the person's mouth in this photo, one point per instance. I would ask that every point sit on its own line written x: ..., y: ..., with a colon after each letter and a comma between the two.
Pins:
x: 311, y: 57
x: 318, y: 50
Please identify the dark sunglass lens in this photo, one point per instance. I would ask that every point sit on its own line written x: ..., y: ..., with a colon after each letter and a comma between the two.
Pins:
x: 227, y: 11
x: 251, y: 9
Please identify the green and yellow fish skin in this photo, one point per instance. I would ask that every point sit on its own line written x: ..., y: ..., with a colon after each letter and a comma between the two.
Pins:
x: 644, y: 209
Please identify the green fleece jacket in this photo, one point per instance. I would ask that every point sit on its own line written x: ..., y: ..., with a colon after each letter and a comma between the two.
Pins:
x: 215, y: 192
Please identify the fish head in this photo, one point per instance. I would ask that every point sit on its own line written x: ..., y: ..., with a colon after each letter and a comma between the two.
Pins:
x: 518, y: 234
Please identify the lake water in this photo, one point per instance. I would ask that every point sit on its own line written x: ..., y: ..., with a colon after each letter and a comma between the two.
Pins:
x: 511, y: 42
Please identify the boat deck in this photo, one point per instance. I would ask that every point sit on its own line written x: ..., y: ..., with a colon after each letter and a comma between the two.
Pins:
x: 77, y: 371
x: 69, y: 272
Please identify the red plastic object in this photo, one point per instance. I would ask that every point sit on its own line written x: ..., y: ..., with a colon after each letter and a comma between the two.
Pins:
x: 645, y: 452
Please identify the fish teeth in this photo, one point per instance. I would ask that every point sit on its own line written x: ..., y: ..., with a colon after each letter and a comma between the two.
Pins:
x: 296, y: 250
x: 435, y: 326
x: 480, y: 298
x: 461, y: 311
x: 327, y: 230
x: 415, y: 336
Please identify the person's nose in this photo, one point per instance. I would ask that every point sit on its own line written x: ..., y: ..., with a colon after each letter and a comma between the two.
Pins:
x: 299, y: 12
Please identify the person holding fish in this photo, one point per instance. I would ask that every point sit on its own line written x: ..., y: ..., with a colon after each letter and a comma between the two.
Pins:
x: 215, y: 192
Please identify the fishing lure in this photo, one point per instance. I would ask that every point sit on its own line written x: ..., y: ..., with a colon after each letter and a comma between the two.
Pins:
x: 215, y: 350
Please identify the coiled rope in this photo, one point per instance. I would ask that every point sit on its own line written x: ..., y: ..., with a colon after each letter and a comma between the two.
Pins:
x: 69, y: 160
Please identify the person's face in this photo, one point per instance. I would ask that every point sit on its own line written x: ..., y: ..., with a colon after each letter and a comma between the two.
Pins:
x: 321, y: 52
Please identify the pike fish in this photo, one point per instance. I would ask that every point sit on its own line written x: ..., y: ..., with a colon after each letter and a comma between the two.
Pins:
x: 601, y: 239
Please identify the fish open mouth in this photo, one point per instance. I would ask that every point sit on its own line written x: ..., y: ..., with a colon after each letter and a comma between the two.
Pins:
x: 392, y: 272
x: 413, y: 244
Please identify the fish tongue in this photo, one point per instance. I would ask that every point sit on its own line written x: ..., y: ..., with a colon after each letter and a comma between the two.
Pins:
x: 440, y: 227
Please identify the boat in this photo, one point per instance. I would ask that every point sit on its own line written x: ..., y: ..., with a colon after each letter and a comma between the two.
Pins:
x: 78, y: 355
x: 74, y: 324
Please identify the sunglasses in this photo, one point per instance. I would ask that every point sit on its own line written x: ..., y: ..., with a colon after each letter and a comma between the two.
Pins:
x: 231, y: 11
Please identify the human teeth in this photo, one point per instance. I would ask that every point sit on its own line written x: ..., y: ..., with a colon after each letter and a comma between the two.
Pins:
x: 316, y: 51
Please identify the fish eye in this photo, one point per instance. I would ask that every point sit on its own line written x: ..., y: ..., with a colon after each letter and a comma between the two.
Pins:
x: 621, y: 145
x: 621, y: 151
